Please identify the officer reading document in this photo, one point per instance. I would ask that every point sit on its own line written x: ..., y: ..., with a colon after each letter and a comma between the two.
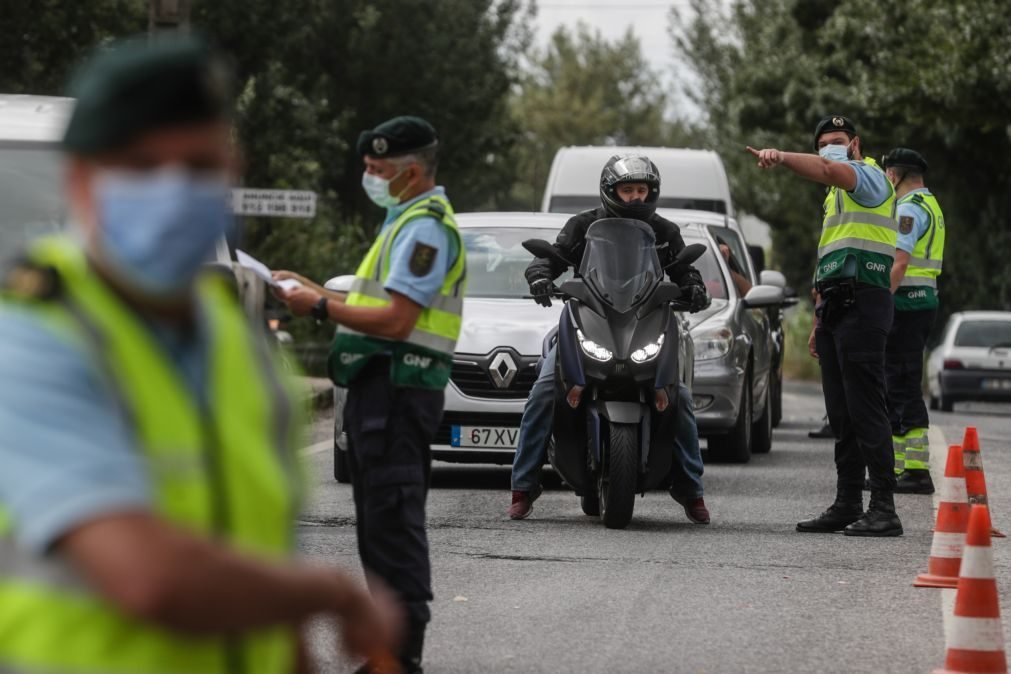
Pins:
x: 397, y: 330
x: 854, y: 315
x: 148, y: 477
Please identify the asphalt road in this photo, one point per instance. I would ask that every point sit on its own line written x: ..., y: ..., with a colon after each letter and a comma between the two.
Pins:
x: 560, y: 593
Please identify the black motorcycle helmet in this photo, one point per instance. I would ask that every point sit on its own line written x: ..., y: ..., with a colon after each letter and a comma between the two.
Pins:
x: 632, y: 168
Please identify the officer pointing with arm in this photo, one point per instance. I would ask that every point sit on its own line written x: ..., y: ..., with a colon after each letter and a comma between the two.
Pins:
x: 914, y: 283
x: 148, y: 485
x: 855, y: 255
x: 397, y: 332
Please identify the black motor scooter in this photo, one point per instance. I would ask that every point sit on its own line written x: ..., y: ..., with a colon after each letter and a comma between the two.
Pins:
x: 616, y: 371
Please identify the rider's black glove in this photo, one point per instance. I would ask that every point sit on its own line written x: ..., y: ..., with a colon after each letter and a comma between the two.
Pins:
x: 698, y: 298
x: 541, y: 290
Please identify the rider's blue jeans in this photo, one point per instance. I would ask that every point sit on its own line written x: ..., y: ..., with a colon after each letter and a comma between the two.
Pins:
x: 538, y: 417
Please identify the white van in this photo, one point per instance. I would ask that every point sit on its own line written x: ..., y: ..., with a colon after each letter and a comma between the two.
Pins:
x: 690, y: 179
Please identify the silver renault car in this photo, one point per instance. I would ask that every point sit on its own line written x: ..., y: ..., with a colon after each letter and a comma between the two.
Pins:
x: 500, y: 343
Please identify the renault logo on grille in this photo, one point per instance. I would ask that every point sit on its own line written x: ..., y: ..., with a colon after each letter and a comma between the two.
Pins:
x: 502, y: 369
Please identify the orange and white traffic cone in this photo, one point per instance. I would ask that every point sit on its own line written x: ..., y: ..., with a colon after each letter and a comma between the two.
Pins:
x: 975, y: 480
x: 949, y: 532
x: 976, y: 637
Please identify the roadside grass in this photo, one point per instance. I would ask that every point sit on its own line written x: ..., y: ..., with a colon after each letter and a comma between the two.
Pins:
x: 799, y: 364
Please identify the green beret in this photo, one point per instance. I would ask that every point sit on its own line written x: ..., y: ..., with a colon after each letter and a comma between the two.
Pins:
x: 906, y: 158
x: 136, y: 87
x: 398, y: 136
x: 833, y: 123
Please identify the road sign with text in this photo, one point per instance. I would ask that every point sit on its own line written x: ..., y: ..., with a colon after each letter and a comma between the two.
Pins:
x: 274, y: 203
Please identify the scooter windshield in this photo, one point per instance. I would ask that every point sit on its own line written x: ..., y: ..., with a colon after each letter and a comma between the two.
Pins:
x: 620, y: 261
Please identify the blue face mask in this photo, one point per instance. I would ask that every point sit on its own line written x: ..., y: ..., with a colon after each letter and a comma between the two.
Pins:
x: 155, y: 230
x: 835, y: 152
x: 378, y: 190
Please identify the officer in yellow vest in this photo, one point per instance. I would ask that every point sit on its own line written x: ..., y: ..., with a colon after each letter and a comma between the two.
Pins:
x: 397, y: 331
x: 854, y: 316
x: 149, y: 482
x: 917, y: 265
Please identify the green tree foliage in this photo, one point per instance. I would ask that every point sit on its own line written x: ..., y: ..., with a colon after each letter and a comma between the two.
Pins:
x: 42, y: 40
x: 585, y: 90
x: 928, y: 75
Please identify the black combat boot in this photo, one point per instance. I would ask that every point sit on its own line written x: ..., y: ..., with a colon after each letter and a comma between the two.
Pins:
x: 408, y: 659
x: 847, y: 509
x: 880, y: 519
x: 914, y: 481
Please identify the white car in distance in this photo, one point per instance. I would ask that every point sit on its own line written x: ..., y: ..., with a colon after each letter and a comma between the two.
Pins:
x: 973, y: 360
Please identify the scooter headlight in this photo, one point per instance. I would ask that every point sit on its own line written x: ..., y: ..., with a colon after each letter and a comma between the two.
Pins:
x: 592, y: 349
x: 648, y: 352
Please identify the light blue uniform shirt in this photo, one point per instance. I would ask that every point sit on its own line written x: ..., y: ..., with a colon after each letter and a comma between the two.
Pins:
x: 425, y: 231
x: 872, y: 185
x: 921, y: 222
x: 66, y: 455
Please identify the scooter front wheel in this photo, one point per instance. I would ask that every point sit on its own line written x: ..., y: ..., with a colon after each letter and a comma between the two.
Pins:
x: 617, y: 483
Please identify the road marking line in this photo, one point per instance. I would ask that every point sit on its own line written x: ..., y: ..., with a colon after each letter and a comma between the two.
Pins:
x: 317, y: 448
x: 939, y: 457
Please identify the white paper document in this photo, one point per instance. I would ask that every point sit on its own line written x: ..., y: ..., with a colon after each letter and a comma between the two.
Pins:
x: 261, y: 270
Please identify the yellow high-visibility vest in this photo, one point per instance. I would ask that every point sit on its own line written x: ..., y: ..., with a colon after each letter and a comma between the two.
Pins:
x: 425, y: 358
x: 224, y: 468
x: 857, y: 241
x: 918, y: 288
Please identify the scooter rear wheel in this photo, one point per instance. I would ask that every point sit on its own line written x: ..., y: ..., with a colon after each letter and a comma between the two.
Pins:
x: 617, y: 484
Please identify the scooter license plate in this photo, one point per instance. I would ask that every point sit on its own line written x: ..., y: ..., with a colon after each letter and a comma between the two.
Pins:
x: 484, y: 436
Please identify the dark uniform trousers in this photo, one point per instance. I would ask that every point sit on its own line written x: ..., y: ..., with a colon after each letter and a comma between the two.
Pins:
x: 851, y: 352
x: 390, y: 431
x: 904, y: 369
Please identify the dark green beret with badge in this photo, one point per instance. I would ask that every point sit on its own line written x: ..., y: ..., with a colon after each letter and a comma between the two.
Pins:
x: 833, y: 123
x: 396, y: 137
x: 135, y: 87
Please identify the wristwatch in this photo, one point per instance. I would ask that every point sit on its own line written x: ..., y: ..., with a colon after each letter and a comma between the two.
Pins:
x: 319, y: 311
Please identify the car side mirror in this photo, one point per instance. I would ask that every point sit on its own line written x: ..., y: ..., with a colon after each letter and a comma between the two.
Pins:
x: 770, y: 277
x: 763, y: 296
x: 340, y: 284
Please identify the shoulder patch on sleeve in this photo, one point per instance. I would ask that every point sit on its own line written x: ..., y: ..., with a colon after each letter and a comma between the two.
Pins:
x: 905, y: 224
x: 422, y: 259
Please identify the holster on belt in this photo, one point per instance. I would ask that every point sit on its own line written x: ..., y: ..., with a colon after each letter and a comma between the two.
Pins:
x: 837, y: 296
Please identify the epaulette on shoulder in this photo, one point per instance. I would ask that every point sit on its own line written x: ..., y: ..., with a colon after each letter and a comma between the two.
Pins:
x: 437, y: 210
x: 24, y: 279
x: 918, y: 198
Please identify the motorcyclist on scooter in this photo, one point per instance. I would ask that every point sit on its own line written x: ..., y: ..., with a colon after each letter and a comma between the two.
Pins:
x: 629, y: 188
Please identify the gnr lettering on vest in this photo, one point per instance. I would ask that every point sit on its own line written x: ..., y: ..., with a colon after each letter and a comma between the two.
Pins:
x: 917, y: 294
x: 348, y: 358
x: 414, y: 360
x: 876, y: 266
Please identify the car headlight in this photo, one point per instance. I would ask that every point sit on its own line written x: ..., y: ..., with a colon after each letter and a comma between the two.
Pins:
x: 592, y: 349
x: 648, y: 352
x: 712, y: 343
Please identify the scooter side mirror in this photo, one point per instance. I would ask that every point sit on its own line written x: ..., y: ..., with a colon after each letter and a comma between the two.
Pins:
x: 688, y: 255
x: 544, y: 250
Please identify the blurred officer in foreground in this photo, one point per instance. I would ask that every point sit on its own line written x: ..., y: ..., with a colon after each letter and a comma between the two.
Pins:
x: 148, y: 481
x: 397, y: 331
x: 914, y: 283
x: 854, y: 315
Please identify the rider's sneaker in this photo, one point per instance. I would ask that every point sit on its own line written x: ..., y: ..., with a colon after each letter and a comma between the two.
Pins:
x: 695, y: 508
x: 523, y: 503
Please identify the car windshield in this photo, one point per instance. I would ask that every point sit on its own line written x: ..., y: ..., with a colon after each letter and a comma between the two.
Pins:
x: 984, y: 334
x: 496, y: 260
x: 620, y: 260
x: 30, y: 195
x: 709, y: 268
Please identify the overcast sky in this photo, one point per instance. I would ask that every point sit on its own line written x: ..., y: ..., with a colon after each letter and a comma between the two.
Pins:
x: 648, y: 19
